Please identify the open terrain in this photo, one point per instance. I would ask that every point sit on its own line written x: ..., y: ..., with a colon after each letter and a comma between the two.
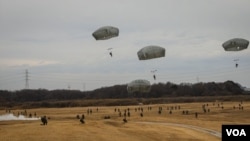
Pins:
x: 176, y: 121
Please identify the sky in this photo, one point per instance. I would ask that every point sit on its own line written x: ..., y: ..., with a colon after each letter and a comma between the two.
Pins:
x: 48, y: 44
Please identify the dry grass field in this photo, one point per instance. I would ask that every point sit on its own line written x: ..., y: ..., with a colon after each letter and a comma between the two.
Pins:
x: 64, y: 126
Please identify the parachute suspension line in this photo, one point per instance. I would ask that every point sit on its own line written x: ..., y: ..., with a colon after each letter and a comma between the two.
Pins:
x: 154, y: 76
x: 110, y: 52
x: 236, y: 63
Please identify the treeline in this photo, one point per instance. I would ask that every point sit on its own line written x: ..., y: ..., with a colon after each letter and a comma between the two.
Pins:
x: 172, y: 90
x: 120, y: 91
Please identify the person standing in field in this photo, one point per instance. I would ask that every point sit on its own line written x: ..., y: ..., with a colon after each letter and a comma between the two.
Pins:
x: 44, y: 120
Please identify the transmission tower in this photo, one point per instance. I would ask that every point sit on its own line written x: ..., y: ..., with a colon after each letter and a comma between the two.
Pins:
x: 26, y: 79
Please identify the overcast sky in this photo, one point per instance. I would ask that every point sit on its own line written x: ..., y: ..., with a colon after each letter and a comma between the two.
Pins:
x: 52, y: 40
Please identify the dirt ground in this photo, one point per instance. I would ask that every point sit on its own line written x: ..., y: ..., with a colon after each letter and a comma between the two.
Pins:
x: 151, y: 125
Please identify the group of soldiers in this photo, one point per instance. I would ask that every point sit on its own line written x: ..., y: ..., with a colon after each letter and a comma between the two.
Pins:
x: 140, y: 109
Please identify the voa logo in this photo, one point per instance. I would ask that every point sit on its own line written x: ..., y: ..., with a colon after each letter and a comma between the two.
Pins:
x: 236, y: 132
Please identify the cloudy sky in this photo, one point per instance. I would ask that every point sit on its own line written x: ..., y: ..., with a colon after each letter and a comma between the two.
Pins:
x: 52, y: 40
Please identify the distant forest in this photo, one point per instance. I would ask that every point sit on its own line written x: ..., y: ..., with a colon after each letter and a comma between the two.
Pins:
x: 160, y: 90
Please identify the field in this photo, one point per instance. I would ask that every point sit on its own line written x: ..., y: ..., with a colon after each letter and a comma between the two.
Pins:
x: 179, y: 124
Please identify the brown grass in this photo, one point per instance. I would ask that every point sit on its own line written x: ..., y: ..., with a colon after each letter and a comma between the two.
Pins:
x: 63, y: 125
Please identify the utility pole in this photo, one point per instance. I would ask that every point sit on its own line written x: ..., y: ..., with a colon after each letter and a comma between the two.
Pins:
x: 26, y: 79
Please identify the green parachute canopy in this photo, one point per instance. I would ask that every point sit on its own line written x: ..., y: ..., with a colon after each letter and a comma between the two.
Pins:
x: 235, y: 44
x: 139, y: 85
x: 105, y: 32
x: 151, y: 52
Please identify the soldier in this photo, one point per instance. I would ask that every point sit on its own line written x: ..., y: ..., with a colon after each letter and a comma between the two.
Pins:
x: 125, y: 120
x: 44, y: 120
x: 170, y: 112
x: 141, y: 114
x: 82, y: 120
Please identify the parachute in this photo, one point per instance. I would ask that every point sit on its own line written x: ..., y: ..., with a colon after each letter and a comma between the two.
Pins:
x: 235, y: 44
x: 151, y: 52
x: 139, y: 85
x: 105, y: 32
